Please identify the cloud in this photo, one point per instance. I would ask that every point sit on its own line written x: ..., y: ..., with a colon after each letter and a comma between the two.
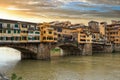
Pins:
x: 65, y: 9
x: 19, y: 9
x: 108, y: 2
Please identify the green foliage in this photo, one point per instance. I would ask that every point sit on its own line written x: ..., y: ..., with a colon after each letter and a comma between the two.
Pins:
x: 15, y: 77
x: 55, y: 50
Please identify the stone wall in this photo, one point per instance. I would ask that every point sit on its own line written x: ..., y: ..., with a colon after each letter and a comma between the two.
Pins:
x: 87, y: 49
x: 116, y: 48
x: 98, y: 48
x: 43, y: 51
x: 108, y: 49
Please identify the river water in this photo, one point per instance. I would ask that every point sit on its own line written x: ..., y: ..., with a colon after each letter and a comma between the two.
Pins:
x: 96, y: 67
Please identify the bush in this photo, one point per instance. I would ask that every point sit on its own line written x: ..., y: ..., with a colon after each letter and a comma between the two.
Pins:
x: 15, y: 77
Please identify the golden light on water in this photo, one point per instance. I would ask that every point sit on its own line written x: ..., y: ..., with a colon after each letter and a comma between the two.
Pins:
x: 9, y: 54
x: 9, y: 57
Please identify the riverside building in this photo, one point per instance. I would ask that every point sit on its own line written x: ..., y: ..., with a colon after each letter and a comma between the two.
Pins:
x: 12, y: 31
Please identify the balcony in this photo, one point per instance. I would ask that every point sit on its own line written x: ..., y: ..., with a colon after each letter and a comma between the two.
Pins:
x: 33, y: 39
x: 5, y: 39
x: 7, y: 26
x: 16, y: 39
x: 37, y: 33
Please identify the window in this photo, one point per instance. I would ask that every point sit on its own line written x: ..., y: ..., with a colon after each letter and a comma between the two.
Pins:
x: 3, y: 38
x: 82, y: 40
x: 37, y: 32
x: 24, y: 38
x: 55, y: 33
x: 59, y: 29
x: 8, y: 25
x: 55, y: 38
x: 4, y: 31
x: 36, y: 38
x: 16, y: 25
x: 0, y: 31
x: 44, y: 31
x: 41, y: 27
x: 49, y: 38
x: 0, y: 38
x: 18, y: 31
x: 33, y: 38
x: 9, y: 31
x: 31, y: 32
x: 59, y: 35
x: 0, y: 25
x: 29, y: 26
x: 14, y: 31
x: 24, y: 31
x: 17, y: 38
x: 44, y: 38
x: 50, y: 32
x: 12, y: 38
x: 24, y: 26
x: 29, y: 38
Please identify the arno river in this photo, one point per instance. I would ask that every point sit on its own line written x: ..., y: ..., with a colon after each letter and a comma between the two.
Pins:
x: 96, y: 67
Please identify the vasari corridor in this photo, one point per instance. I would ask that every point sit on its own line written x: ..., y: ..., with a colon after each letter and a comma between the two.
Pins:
x: 59, y: 39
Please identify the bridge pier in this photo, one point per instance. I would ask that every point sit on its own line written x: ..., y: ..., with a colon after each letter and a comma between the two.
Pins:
x: 43, y: 51
x: 108, y: 48
x: 87, y: 49
x: 116, y: 47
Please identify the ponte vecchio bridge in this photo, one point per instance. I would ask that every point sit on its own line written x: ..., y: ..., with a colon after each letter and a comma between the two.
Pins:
x: 35, y: 40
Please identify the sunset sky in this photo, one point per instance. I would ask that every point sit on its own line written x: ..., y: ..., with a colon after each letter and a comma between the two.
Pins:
x: 76, y: 11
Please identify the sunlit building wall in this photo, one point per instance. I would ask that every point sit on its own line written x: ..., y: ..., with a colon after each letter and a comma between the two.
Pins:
x: 18, y: 32
x: 48, y: 33
x: 84, y: 36
x: 113, y: 33
x: 33, y: 33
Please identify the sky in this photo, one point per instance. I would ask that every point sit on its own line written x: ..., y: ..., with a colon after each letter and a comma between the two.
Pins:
x: 76, y: 11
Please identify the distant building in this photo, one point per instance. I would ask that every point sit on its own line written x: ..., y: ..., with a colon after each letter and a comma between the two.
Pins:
x: 102, y: 27
x: 113, y: 33
x: 115, y: 22
x: 12, y: 31
x: 93, y: 26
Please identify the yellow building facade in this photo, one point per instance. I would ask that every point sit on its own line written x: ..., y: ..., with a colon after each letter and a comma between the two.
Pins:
x: 48, y: 33
x: 84, y: 36
x: 113, y: 33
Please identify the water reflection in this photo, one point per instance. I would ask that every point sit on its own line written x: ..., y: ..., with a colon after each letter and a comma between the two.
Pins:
x: 8, y: 58
x: 97, y: 67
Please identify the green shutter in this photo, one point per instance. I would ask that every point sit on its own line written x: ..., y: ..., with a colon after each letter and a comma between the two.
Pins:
x: 16, y: 25
x: 9, y: 31
x: 37, y: 32
x: 14, y: 31
x: 12, y: 38
x: 18, y: 31
x: 8, y: 25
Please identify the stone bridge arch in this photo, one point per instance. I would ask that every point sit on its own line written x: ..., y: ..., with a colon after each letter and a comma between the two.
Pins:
x: 28, y: 51
x: 68, y: 48
x: 42, y: 50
